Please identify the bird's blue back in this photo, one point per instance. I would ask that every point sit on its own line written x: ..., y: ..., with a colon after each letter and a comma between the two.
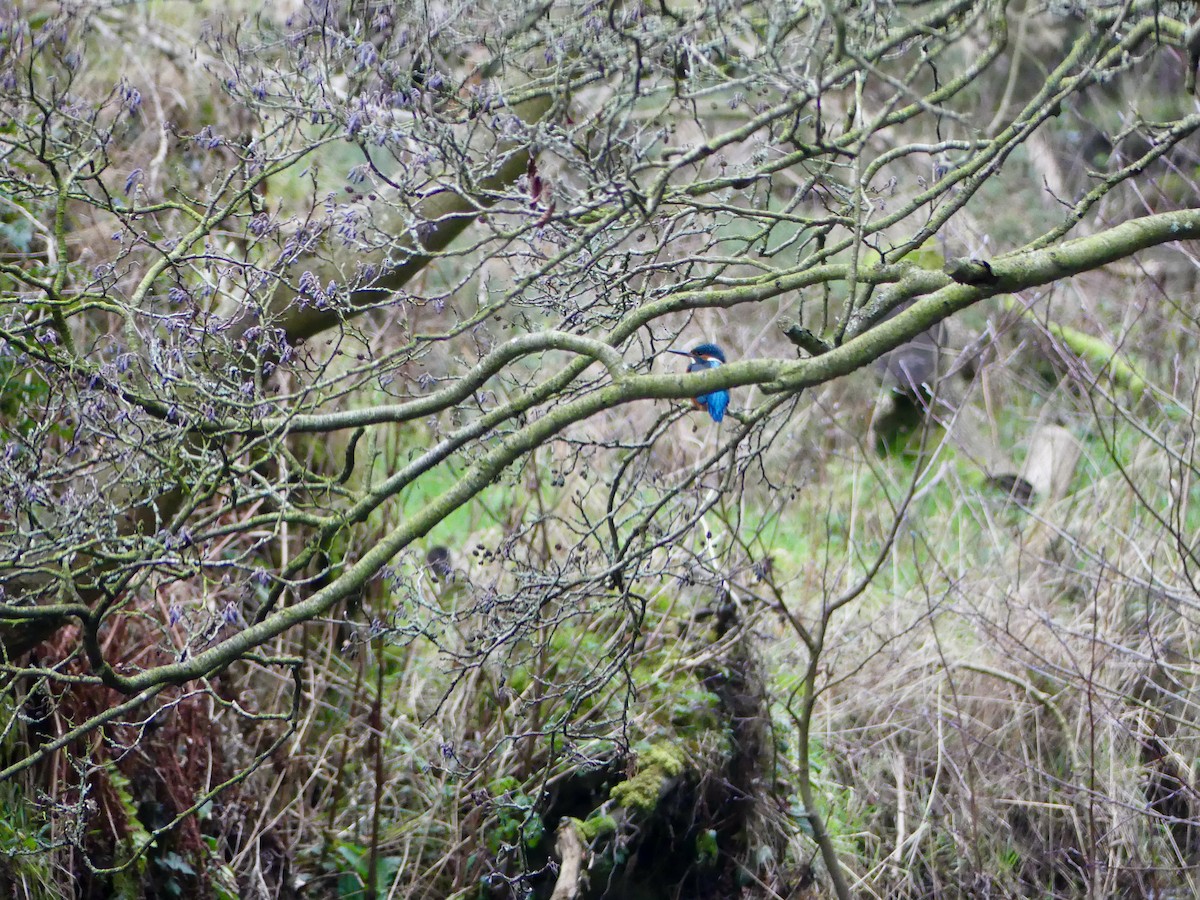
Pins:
x: 710, y: 356
x: 717, y: 402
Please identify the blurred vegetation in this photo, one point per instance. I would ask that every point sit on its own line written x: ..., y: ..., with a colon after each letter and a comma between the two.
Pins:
x: 866, y: 637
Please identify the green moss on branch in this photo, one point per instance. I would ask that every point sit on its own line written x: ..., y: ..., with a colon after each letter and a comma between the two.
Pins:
x: 657, y: 767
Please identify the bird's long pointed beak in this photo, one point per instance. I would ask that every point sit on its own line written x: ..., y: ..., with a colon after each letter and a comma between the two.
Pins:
x: 682, y: 353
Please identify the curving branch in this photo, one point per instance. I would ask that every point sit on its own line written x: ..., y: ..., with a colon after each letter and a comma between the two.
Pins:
x: 1019, y: 271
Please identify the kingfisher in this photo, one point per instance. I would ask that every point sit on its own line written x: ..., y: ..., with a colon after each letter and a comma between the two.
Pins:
x: 707, y: 356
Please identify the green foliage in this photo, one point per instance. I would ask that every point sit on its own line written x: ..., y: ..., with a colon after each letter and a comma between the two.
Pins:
x: 221, y: 877
x: 171, y: 866
x: 21, y: 389
x: 350, y: 863
x: 694, y: 710
x: 22, y: 838
x: 126, y: 883
x: 516, y: 821
x: 17, y: 232
x: 706, y: 847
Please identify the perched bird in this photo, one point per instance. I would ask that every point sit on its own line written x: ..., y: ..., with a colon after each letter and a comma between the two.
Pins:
x: 708, y: 356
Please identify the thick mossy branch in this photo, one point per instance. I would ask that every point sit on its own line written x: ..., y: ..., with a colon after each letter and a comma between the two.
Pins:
x: 444, y: 216
x: 657, y: 769
x: 462, y: 388
x: 1100, y: 355
x: 596, y: 826
x: 940, y: 297
x: 806, y: 340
